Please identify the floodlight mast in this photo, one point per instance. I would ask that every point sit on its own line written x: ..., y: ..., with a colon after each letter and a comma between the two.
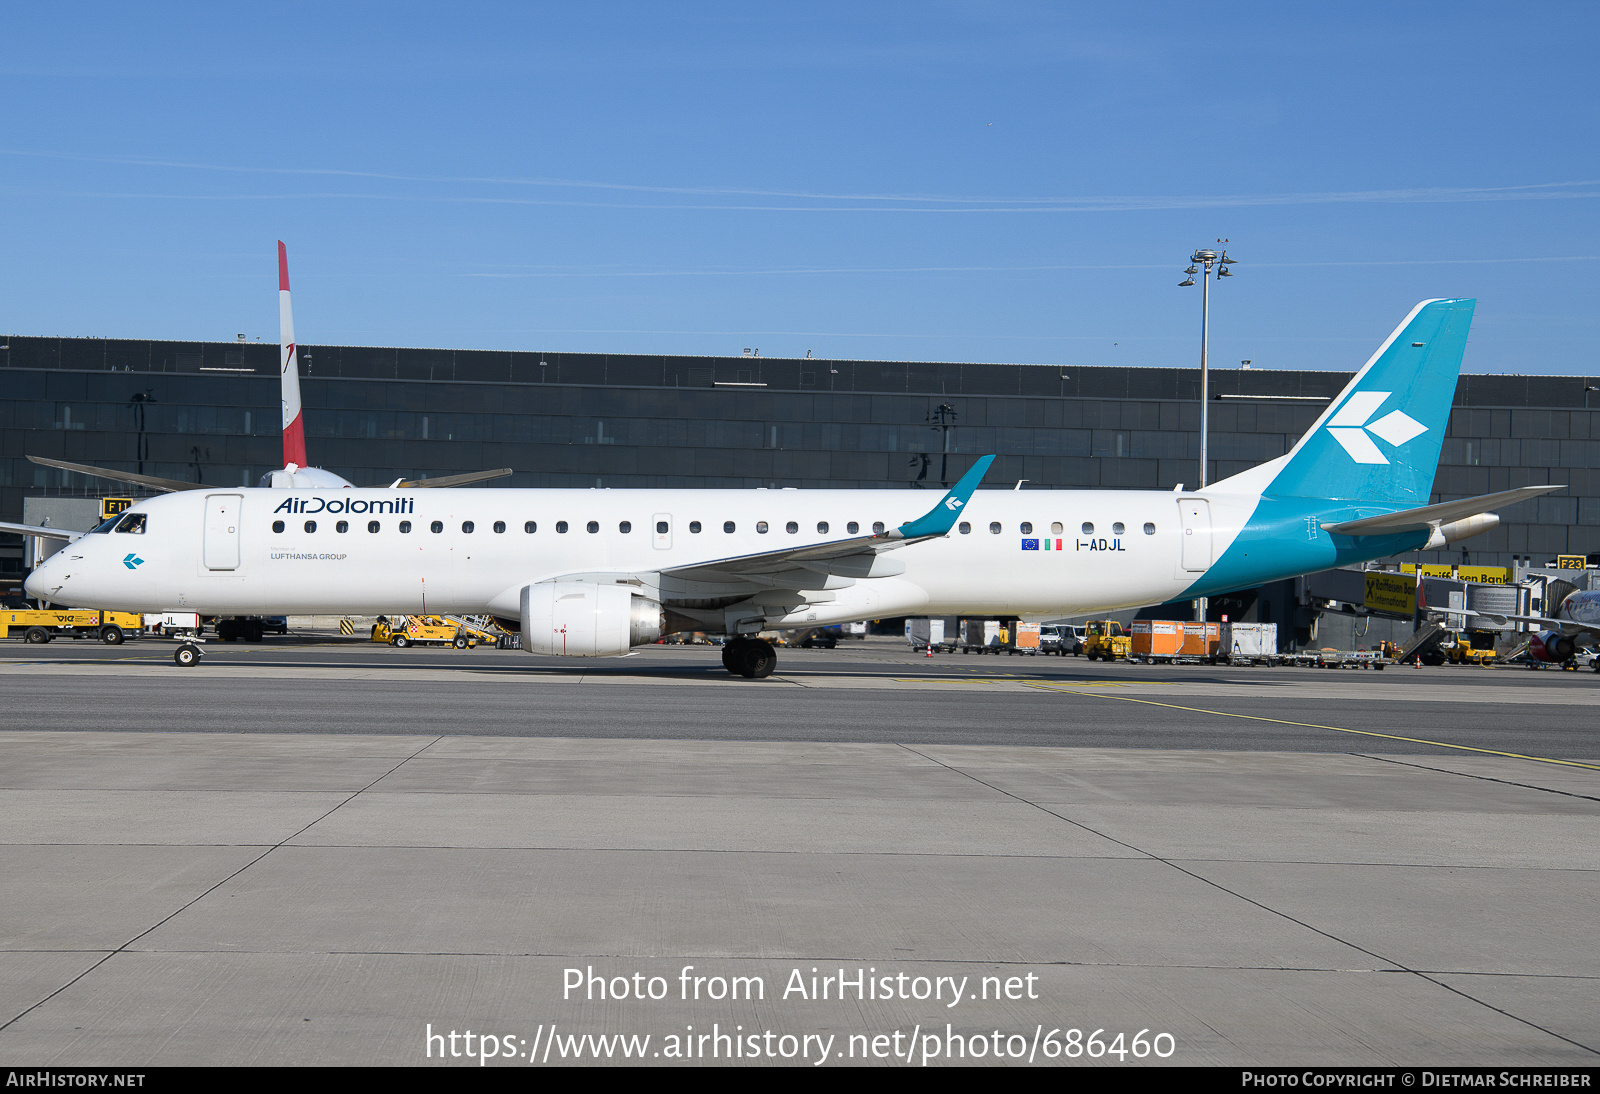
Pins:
x: 1202, y: 262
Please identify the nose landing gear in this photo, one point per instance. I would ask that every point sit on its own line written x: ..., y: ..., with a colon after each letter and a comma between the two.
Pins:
x: 187, y: 655
x: 752, y: 658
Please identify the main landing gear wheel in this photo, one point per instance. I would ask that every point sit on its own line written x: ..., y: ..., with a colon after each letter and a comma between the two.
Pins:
x: 752, y: 658
x: 187, y: 655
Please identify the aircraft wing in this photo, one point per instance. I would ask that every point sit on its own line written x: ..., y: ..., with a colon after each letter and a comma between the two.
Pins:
x: 64, y: 534
x: 853, y: 557
x: 1414, y: 520
x: 166, y: 486
x: 1565, y: 626
x: 454, y: 480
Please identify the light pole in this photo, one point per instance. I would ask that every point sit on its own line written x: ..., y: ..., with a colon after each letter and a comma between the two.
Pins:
x: 1201, y: 262
x: 1204, y: 260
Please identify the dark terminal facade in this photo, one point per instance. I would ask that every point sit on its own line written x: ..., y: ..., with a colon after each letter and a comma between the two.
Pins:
x: 209, y: 412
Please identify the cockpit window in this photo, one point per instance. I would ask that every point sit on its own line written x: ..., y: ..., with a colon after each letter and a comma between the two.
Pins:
x: 107, y: 525
x: 133, y: 522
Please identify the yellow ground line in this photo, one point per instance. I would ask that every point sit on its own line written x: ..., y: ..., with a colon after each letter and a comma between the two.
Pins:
x: 1338, y: 729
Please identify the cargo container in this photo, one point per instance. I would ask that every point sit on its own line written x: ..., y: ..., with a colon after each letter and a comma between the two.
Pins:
x: 924, y: 633
x: 982, y: 635
x: 1155, y: 639
x: 1200, y: 639
x: 1248, y: 643
x: 1024, y: 638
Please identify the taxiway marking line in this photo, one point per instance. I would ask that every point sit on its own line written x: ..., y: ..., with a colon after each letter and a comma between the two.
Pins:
x: 1335, y: 729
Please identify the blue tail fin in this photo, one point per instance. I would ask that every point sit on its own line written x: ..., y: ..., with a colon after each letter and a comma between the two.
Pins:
x: 1379, y: 440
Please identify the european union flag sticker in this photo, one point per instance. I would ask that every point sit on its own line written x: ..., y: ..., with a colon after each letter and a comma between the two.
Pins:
x: 1030, y: 545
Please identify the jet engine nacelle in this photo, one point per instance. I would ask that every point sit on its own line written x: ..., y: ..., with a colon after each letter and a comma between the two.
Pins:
x: 584, y: 619
x: 1552, y: 646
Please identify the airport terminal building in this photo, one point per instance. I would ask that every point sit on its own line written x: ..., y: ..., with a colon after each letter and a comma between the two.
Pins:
x: 209, y: 413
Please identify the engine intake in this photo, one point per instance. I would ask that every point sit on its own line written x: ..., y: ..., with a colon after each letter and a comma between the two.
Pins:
x: 585, y: 619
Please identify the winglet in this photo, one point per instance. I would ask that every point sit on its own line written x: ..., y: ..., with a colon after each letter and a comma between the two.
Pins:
x: 942, y: 517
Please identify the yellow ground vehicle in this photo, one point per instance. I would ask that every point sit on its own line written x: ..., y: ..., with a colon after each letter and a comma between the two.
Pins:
x: 1106, y: 639
x: 39, y: 627
x: 1471, y: 648
x: 429, y: 630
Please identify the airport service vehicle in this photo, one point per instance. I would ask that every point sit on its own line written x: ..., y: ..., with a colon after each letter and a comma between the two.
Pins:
x: 1105, y: 640
x: 1055, y: 639
x: 428, y: 630
x: 593, y: 573
x: 38, y: 627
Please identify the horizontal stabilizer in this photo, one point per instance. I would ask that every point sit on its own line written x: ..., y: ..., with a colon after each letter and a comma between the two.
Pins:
x: 455, y: 480
x: 1414, y: 520
x: 166, y: 486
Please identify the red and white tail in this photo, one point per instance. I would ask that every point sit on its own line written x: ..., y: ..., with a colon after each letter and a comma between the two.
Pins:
x: 294, y: 433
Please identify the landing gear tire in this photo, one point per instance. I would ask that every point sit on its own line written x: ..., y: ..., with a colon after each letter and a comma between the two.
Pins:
x: 254, y: 632
x: 757, y: 660
x: 187, y: 655
x: 752, y: 658
x: 111, y: 634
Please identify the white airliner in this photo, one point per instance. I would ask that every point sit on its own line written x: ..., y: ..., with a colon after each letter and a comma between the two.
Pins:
x: 593, y: 573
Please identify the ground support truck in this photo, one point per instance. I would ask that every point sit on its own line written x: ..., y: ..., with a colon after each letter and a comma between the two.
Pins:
x: 38, y: 627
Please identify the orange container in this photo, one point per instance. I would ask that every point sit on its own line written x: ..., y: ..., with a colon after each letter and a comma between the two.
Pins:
x: 1156, y: 638
x: 1201, y: 639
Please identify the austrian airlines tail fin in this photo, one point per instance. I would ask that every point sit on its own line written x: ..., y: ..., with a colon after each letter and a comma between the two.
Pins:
x: 294, y: 432
x: 1378, y: 441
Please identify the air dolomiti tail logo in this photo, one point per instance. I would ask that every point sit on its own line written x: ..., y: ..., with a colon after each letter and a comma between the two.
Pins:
x: 1351, y: 429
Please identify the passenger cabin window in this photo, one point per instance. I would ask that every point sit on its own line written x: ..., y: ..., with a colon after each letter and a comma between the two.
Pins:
x: 694, y: 527
x: 852, y: 528
x: 530, y: 527
x: 1055, y: 529
x: 625, y: 527
x: 499, y: 526
x: 661, y: 527
x: 373, y: 526
x: 467, y: 526
x: 1117, y: 529
x: 877, y: 527
x: 822, y: 527
x: 1088, y: 528
x: 1149, y: 529
x: 344, y: 526
x: 436, y: 527
x: 761, y: 527
x: 277, y: 526
x: 966, y: 528
x: 311, y: 526
x: 594, y: 526
x: 791, y: 528
x: 561, y: 527
x: 727, y: 526
x: 134, y: 523
x: 994, y: 528
x: 1027, y: 528
x: 405, y: 527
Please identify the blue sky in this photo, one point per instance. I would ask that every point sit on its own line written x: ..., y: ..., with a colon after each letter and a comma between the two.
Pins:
x: 975, y: 182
